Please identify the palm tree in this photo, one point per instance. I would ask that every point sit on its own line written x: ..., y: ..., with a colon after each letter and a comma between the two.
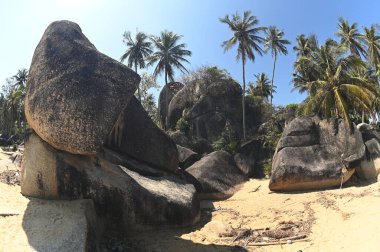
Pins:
x: 262, y: 86
x: 137, y: 52
x: 340, y: 84
x: 305, y: 45
x: 277, y: 45
x: 169, y: 55
x: 245, y: 36
x: 350, y: 38
x: 372, y: 40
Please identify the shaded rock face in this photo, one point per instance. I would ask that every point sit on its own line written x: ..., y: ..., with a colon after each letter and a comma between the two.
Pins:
x: 75, y: 93
x: 187, y: 157
x: 166, y: 95
x: 370, y: 166
x: 124, y: 198
x: 136, y: 135
x: 217, y: 175
x: 249, y: 157
x: 209, y: 108
x: 315, y: 154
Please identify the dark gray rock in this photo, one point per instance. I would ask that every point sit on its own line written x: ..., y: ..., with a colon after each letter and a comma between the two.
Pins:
x: 180, y: 139
x: 136, y: 135
x: 166, y: 95
x: 75, y: 93
x: 187, y: 157
x: 315, y: 154
x: 249, y: 157
x: 217, y: 175
x: 209, y: 108
x: 125, y: 199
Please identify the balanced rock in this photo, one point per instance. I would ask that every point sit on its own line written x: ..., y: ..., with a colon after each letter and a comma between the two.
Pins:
x: 217, y: 175
x: 124, y: 198
x: 315, y: 154
x: 75, y: 93
x: 136, y: 135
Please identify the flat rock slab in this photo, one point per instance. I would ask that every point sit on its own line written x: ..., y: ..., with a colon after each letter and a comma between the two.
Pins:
x: 44, y: 225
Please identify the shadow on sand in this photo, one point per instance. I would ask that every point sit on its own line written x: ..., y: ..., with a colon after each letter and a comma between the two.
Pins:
x: 168, y: 239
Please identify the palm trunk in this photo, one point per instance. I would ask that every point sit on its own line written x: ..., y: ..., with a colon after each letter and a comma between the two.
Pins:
x: 243, y: 98
x: 362, y: 116
x: 274, y: 68
x: 166, y: 102
x: 138, y: 86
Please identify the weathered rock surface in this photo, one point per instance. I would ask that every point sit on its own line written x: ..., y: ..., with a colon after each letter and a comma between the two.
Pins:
x: 166, y: 95
x: 29, y: 224
x: 124, y: 198
x: 210, y: 108
x: 62, y: 225
x: 369, y: 168
x: 315, y: 154
x: 136, y: 135
x: 187, y: 157
x: 217, y: 175
x: 75, y: 93
x: 249, y: 156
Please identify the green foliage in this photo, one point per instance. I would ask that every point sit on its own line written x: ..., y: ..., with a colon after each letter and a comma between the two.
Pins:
x: 267, y: 168
x: 12, y: 118
x: 183, y: 125
x: 225, y: 144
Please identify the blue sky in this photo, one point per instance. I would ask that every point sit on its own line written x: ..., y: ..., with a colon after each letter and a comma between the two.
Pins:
x: 22, y: 24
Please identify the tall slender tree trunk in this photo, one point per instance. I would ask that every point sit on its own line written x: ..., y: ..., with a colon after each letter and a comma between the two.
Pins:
x: 362, y: 116
x: 271, y: 89
x: 166, y: 102
x: 138, y: 85
x: 243, y: 98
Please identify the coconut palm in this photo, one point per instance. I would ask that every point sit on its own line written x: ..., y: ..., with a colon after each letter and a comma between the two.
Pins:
x: 372, y: 40
x: 169, y: 54
x: 339, y: 86
x: 262, y: 86
x: 246, y: 37
x: 137, y: 52
x: 277, y: 45
x: 305, y: 45
x: 350, y: 38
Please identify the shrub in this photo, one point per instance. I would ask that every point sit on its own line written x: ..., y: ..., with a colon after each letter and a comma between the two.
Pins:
x: 183, y: 125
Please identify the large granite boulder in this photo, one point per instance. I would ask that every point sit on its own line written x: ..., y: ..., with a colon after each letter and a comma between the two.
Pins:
x: 369, y: 168
x: 122, y: 197
x: 166, y: 95
x: 210, y: 106
x: 75, y: 93
x: 315, y: 154
x: 136, y: 135
x: 217, y: 175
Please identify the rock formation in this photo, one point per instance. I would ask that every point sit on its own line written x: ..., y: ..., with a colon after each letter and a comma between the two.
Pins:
x: 91, y: 139
x: 217, y: 175
x: 166, y: 95
x: 315, y: 154
x: 209, y: 107
x: 75, y: 93
x: 370, y: 166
